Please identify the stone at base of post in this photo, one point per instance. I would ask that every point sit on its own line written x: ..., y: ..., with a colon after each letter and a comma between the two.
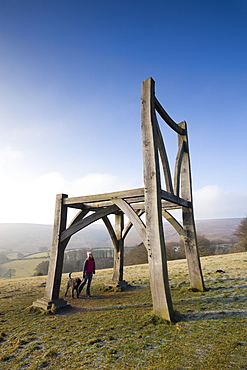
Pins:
x: 47, y: 304
x: 117, y: 284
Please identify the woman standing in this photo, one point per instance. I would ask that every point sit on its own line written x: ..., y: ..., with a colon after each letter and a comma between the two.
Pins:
x: 88, y: 271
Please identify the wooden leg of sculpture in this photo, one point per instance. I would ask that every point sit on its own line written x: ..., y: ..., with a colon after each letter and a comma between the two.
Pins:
x: 119, y: 249
x: 191, y: 251
x: 56, y: 259
x: 190, y: 240
x: 155, y: 244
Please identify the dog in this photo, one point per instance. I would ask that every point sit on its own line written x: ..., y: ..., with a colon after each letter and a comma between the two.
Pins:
x: 73, y: 283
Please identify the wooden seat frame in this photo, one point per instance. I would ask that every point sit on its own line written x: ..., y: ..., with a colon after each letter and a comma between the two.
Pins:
x: 151, y: 201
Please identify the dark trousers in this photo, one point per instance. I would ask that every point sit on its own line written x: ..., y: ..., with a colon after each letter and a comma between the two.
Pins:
x: 87, y: 279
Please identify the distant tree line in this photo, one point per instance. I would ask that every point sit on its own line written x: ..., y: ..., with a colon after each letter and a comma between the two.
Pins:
x: 74, y: 259
x: 136, y: 255
x: 175, y: 250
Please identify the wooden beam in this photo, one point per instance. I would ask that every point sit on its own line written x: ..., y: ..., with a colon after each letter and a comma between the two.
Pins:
x: 80, y: 215
x: 87, y: 221
x: 167, y: 118
x: 164, y: 159
x: 110, y: 229
x: 177, y: 226
x: 178, y: 164
x: 174, y: 199
x: 129, y: 225
x: 133, y: 217
x: 105, y: 197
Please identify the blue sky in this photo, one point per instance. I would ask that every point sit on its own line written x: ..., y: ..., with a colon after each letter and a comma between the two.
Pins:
x: 70, y: 83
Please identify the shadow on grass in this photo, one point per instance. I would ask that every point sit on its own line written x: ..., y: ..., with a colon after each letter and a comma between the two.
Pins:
x: 228, y: 287
x: 70, y: 310
x: 213, y: 315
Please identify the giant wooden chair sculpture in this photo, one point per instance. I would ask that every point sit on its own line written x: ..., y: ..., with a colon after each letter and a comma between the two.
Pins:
x: 152, y: 200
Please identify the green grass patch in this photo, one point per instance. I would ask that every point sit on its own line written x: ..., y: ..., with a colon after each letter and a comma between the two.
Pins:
x: 23, y: 268
x: 118, y: 330
x: 38, y: 255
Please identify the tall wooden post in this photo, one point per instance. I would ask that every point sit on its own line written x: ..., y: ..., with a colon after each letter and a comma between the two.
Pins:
x: 191, y: 251
x: 190, y: 239
x: 162, y: 303
x: 56, y: 259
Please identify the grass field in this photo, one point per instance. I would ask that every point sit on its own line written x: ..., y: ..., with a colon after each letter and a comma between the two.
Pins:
x: 117, y: 330
x: 23, y: 267
x: 39, y: 255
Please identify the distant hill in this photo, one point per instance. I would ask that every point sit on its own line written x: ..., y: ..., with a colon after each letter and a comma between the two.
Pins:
x: 218, y: 229
x: 32, y: 237
x: 211, y: 229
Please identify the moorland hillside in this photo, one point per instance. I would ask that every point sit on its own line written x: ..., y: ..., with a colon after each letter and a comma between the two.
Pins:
x: 33, y: 237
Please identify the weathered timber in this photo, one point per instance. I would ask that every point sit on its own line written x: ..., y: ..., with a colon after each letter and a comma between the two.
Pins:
x: 119, y: 250
x: 155, y: 244
x: 164, y: 159
x: 167, y: 118
x: 191, y: 251
x: 175, y: 199
x: 132, y: 193
x: 133, y: 217
x: 56, y: 258
x: 129, y: 225
x: 151, y: 200
x: 172, y: 220
x: 190, y: 239
x: 75, y: 227
x: 118, y: 245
